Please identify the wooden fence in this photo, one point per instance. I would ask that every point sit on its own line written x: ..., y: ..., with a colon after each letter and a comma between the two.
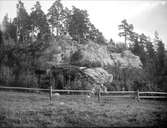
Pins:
x: 111, y: 94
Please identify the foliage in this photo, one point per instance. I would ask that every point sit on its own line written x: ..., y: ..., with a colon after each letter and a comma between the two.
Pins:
x: 23, y: 23
x: 127, y: 30
x: 77, y: 24
x: 25, y: 79
x: 9, y: 28
x: 124, y: 78
x: 39, y: 24
x: 119, y: 47
x: 160, y: 57
x: 1, y: 47
x: 138, y: 46
x: 57, y: 17
x: 95, y: 35
x: 19, y: 52
x: 161, y: 65
x: 152, y: 57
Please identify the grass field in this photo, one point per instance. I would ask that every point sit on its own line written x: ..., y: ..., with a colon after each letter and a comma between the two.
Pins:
x: 19, y: 109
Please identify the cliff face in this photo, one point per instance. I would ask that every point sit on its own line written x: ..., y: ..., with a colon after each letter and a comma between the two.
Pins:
x: 93, y: 57
x: 126, y: 59
x: 58, y: 52
x: 89, y: 54
x: 96, y: 55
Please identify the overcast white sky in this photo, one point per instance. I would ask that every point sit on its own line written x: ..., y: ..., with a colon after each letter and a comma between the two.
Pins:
x: 106, y: 15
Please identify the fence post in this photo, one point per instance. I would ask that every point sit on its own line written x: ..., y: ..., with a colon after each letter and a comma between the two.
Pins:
x: 50, y: 94
x: 138, y: 97
x: 98, y: 94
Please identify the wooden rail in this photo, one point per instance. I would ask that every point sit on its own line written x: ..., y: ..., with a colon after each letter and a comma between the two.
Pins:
x: 138, y: 95
x: 22, y: 88
x: 120, y: 92
x: 153, y: 97
x: 72, y: 91
x: 163, y: 93
x: 118, y: 96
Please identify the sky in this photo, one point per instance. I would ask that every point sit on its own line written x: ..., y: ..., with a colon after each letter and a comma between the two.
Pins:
x: 146, y: 16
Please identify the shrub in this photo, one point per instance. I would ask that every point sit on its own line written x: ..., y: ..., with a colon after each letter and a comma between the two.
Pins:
x: 119, y: 47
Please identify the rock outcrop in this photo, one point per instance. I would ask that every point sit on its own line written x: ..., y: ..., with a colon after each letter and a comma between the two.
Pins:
x: 94, y: 55
x: 89, y: 55
x: 126, y: 59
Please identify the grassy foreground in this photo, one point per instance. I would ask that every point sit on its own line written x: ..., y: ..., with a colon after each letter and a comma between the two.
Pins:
x: 19, y: 109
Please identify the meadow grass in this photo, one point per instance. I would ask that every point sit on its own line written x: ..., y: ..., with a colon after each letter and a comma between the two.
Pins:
x: 18, y: 109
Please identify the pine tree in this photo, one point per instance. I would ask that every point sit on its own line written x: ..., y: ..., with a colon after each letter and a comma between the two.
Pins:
x: 39, y: 25
x: 138, y: 46
x: 5, y: 21
x: 160, y: 65
x: 94, y: 34
x: 126, y: 30
x: 9, y: 28
x: 1, y: 47
x: 156, y: 40
x: 78, y: 24
x: 23, y: 22
x: 56, y: 17
x: 5, y: 25
x: 164, y: 84
x: 150, y: 67
x: 160, y: 56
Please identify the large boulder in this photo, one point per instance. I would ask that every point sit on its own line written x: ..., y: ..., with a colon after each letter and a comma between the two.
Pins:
x: 99, y: 75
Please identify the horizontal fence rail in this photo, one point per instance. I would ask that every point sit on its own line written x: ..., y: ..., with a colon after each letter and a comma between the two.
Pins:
x: 122, y: 92
x: 77, y: 91
x: 163, y: 93
x: 22, y: 88
x: 153, y: 97
x: 108, y: 94
x: 118, y: 96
